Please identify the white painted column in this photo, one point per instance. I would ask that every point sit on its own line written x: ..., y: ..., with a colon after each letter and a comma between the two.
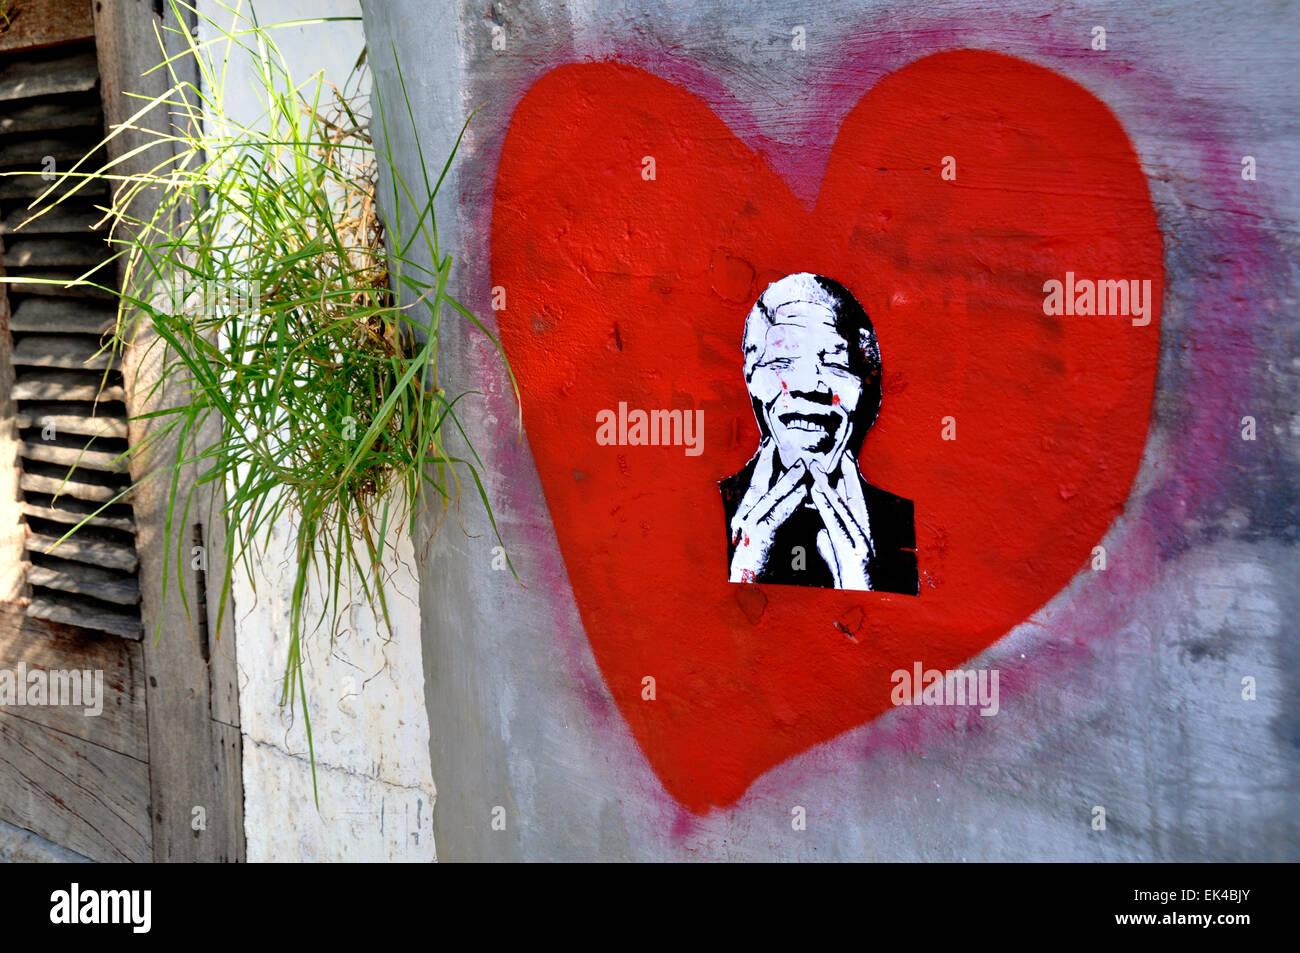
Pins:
x: 365, y: 690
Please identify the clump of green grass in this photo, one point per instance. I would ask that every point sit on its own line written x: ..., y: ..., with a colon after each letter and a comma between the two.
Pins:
x: 309, y: 397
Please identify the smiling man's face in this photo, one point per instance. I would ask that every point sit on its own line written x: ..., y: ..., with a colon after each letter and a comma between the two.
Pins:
x: 803, y: 385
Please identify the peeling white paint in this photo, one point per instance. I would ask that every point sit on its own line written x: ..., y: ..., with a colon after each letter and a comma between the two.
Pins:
x: 369, y: 724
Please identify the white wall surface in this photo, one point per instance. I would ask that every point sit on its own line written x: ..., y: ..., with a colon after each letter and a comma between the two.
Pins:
x: 366, y: 690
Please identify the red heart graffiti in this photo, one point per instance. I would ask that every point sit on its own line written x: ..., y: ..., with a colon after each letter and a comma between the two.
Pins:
x: 629, y: 281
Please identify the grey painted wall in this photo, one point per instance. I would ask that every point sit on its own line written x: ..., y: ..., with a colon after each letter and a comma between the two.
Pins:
x: 1131, y: 702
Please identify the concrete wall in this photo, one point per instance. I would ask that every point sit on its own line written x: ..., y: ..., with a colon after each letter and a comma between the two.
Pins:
x: 369, y: 724
x: 1121, y: 689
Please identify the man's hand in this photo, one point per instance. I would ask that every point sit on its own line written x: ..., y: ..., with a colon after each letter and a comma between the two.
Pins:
x: 845, y: 543
x: 761, y: 513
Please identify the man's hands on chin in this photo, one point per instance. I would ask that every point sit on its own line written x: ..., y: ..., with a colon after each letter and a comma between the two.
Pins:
x: 845, y: 543
x: 761, y: 513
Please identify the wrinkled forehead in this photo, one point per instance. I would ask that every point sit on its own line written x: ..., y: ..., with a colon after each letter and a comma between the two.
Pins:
x: 804, y: 325
x: 796, y: 327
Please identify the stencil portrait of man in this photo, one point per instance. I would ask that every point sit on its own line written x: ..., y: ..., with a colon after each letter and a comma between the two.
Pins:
x: 800, y: 512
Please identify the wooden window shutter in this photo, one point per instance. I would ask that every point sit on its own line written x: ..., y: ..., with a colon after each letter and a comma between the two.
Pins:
x: 125, y: 785
x: 70, y: 417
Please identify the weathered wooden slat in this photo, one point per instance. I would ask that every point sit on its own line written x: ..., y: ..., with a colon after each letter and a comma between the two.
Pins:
x: 73, y: 792
x: 55, y: 316
x: 37, y: 643
x: 223, y: 662
x: 87, y: 581
x: 55, y: 252
x: 225, y: 827
x: 70, y: 609
x: 14, y: 186
x: 33, y: 23
x: 64, y: 385
x: 72, y: 218
x: 72, y: 511
x: 72, y: 486
x: 59, y: 283
x: 65, y: 149
x: 78, y: 548
x: 46, y: 116
x: 51, y: 452
x: 23, y: 78
x: 21, y: 187
x: 64, y: 420
x: 70, y: 353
